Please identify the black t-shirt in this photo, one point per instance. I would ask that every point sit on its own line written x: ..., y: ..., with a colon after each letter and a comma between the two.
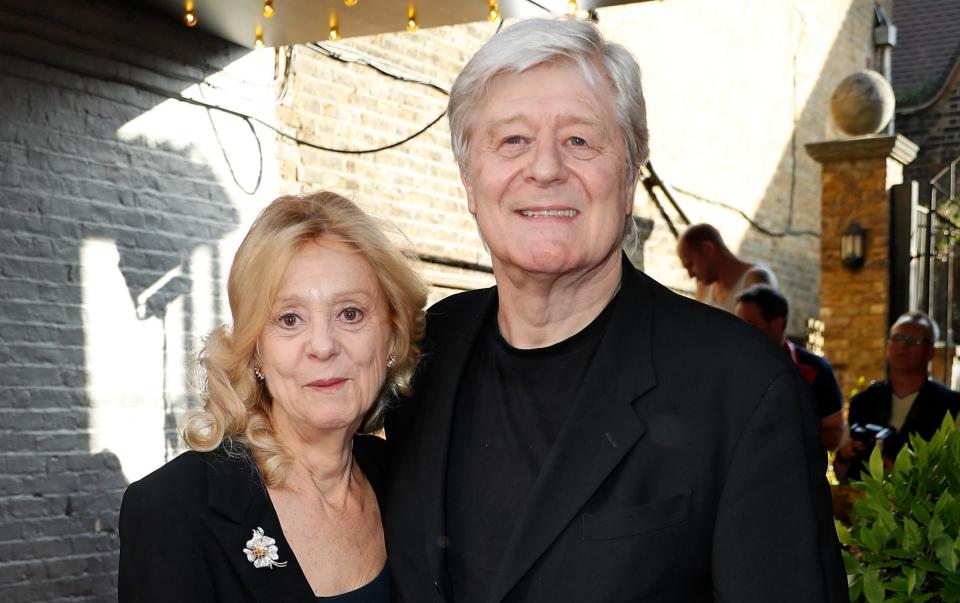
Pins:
x: 510, y: 406
x: 826, y: 390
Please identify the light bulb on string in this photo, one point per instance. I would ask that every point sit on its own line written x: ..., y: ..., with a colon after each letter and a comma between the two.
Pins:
x: 268, y: 10
x: 494, y: 12
x: 189, y: 14
x: 572, y: 7
x: 349, y: 3
x: 411, y: 17
x: 258, y: 40
x: 334, y: 27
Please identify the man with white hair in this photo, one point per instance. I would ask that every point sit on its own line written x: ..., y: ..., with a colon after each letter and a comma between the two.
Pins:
x: 579, y: 432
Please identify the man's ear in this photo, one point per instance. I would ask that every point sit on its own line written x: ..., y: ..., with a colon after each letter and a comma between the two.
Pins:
x: 707, y: 248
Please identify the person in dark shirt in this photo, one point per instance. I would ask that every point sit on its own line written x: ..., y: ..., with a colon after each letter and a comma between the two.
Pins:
x: 579, y: 432
x: 909, y: 401
x: 767, y: 309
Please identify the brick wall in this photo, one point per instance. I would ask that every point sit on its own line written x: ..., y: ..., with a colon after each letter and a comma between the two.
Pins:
x: 857, y: 177
x: 117, y: 217
x: 415, y: 186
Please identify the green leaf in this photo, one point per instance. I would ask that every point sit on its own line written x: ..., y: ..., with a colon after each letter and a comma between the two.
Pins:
x: 872, y: 587
x: 948, y: 425
x: 920, y: 512
x: 929, y: 566
x: 935, y: 529
x: 946, y: 553
x: 911, y: 534
x: 843, y: 534
x: 904, y: 462
x: 951, y: 588
x: 867, y: 538
x: 897, y: 585
x: 856, y: 589
x: 911, y: 579
x: 876, y: 464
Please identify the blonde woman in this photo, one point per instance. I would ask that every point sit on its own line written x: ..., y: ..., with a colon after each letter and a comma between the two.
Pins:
x: 278, y: 499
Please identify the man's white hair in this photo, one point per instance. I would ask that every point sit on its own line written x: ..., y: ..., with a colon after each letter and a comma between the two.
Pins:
x: 534, y: 42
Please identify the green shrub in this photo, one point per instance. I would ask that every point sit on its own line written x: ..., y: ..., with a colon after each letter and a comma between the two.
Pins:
x: 904, y: 543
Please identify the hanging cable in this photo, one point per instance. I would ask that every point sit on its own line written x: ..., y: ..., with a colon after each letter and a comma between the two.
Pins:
x: 755, y: 225
x: 339, y: 54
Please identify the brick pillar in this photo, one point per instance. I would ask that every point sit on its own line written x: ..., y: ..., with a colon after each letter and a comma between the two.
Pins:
x: 857, y: 175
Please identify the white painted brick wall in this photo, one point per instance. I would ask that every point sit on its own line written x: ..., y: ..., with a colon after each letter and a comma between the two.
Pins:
x: 111, y: 197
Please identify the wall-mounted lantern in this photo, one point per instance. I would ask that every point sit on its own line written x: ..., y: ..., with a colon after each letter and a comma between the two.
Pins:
x: 852, y: 246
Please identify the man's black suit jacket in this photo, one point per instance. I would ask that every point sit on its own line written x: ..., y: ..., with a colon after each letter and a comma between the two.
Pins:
x: 690, y: 469
x: 875, y: 405
x: 183, y: 529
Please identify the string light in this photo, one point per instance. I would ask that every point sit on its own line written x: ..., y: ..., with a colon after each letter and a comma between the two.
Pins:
x: 334, y: 27
x: 268, y: 10
x: 189, y: 15
x: 258, y: 40
x: 572, y: 7
x: 494, y: 13
x: 350, y: 3
x: 411, y: 17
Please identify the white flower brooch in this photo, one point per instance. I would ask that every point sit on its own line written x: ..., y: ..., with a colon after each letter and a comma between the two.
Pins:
x: 262, y: 551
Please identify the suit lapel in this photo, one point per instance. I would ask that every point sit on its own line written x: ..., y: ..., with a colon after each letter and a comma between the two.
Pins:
x: 239, y: 504
x: 600, y: 431
x: 439, y: 393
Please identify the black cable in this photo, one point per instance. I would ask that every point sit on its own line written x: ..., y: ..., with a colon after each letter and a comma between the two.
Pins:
x: 755, y: 225
x: 226, y: 158
x: 540, y: 6
x: 332, y: 53
x: 192, y: 101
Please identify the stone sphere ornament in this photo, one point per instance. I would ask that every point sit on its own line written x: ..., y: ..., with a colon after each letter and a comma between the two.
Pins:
x: 863, y: 103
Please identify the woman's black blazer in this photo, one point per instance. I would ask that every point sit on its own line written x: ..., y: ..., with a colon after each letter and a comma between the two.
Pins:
x: 183, y: 529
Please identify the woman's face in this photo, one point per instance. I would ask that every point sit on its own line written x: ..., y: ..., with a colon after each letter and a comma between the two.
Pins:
x: 323, y: 350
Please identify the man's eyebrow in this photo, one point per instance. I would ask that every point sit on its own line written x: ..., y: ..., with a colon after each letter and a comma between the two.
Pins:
x: 504, y: 121
x: 562, y: 121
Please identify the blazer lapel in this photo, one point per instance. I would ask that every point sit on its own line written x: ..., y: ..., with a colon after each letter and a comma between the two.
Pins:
x: 438, y: 396
x: 600, y: 431
x: 240, y: 504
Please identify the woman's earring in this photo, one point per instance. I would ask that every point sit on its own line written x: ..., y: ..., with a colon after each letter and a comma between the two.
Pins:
x: 391, y: 360
x: 258, y: 373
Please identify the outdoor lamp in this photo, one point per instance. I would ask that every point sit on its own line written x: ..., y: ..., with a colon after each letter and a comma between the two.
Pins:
x: 852, y: 246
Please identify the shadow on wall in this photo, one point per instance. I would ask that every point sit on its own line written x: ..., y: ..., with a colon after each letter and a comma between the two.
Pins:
x: 108, y: 256
x: 786, y: 230
x: 790, y: 206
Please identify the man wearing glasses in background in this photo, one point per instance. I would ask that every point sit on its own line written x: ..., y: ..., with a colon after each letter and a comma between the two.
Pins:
x: 908, y: 401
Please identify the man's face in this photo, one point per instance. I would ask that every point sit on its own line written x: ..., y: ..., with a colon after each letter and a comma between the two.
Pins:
x: 750, y: 312
x: 697, y: 261
x: 909, y: 346
x: 546, y: 173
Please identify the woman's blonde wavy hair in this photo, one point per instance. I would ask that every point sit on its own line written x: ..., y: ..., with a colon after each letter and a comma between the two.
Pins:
x: 237, y: 407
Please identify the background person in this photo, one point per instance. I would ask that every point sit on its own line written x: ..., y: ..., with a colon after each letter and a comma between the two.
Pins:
x: 909, y: 401
x: 767, y: 309
x: 579, y: 432
x: 721, y: 276
x: 279, y: 501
